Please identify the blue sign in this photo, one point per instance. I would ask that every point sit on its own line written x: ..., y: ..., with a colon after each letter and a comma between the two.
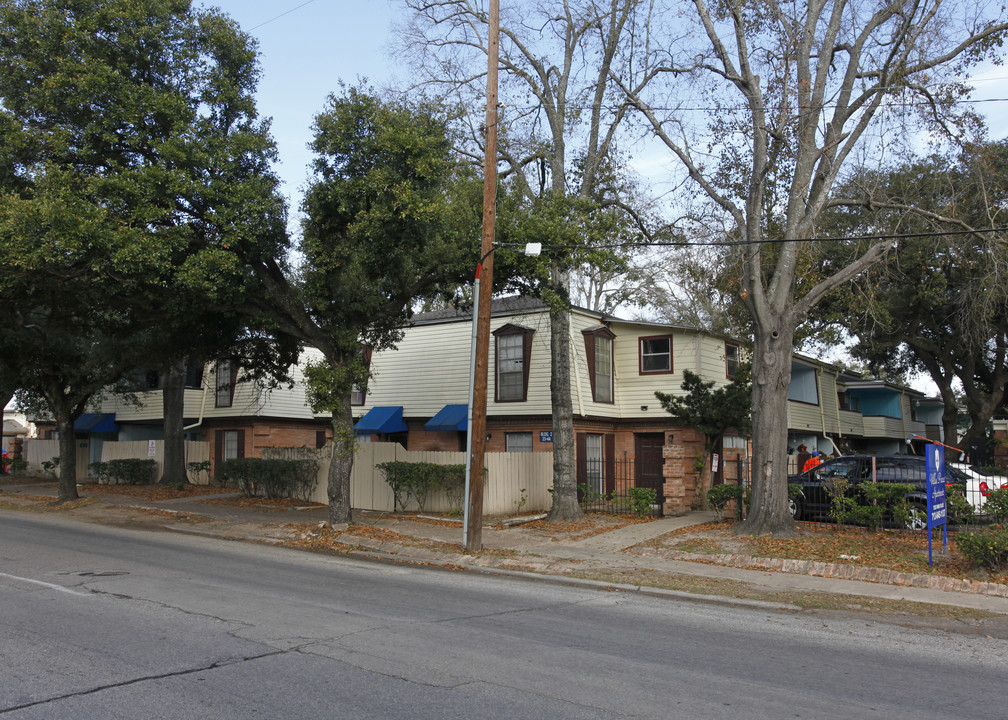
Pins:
x: 545, y: 436
x: 937, y: 508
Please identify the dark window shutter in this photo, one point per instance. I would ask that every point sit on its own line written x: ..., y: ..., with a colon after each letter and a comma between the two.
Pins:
x: 589, y: 341
x: 241, y: 443
x: 580, y: 460
x: 609, y: 450
x: 320, y: 439
x: 218, y: 450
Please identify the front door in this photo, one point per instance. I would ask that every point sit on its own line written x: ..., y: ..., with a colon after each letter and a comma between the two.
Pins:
x: 648, y: 461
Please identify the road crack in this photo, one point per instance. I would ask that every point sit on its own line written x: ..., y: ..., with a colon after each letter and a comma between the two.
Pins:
x: 144, y: 678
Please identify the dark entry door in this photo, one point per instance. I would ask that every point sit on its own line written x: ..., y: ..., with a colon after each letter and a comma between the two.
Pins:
x: 648, y: 462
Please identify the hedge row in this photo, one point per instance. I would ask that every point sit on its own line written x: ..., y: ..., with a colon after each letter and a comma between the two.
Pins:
x: 415, y: 480
x: 127, y: 471
x: 259, y: 477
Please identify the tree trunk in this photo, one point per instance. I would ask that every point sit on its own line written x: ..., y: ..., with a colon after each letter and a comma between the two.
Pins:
x: 67, y: 456
x: 173, y: 401
x: 565, y: 503
x: 344, y: 445
x: 768, y: 514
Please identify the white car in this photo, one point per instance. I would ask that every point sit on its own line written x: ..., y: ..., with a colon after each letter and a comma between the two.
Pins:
x: 979, y: 486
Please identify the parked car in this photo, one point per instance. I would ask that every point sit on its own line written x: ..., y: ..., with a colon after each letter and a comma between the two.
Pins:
x: 813, y: 499
x: 978, y: 485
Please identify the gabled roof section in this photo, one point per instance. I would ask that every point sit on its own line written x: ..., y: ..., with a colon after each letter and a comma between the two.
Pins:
x: 512, y: 305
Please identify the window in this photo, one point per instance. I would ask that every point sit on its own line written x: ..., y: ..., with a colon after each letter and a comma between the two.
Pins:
x: 229, y: 445
x: 593, y: 462
x: 603, y: 369
x: 731, y: 359
x: 518, y: 442
x: 847, y: 402
x: 358, y: 393
x: 803, y: 387
x: 599, y: 356
x: 226, y: 378
x: 513, y: 347
x: 656, y: 354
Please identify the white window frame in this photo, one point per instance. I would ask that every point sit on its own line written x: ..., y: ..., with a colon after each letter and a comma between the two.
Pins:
x: 518, y: 442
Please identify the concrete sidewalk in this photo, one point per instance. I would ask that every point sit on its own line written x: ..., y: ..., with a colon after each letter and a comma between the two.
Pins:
x: 512, y: 550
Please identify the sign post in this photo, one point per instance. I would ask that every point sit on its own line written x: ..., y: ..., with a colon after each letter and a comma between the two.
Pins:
x: 937, y: 509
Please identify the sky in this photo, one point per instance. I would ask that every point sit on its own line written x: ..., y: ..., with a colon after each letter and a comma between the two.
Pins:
x: 306, y: 49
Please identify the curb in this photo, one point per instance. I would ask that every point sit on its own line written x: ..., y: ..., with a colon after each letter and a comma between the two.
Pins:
x: 364, y: 547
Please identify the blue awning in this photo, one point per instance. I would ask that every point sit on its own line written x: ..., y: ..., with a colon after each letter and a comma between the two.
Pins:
x: 450, y: 417
x: 96, y: 423
x: 381, y: 421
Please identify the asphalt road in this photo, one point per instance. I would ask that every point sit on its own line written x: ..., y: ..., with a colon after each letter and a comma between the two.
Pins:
x: 100, y: 622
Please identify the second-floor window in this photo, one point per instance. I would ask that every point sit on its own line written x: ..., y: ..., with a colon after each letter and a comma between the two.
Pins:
x: 603, y: 369
x: 656, y: 354
x: 513, y: 347
x: 731, y: 359
x: 225, y: 384
x: 599, y: 355
x: 358, y: 393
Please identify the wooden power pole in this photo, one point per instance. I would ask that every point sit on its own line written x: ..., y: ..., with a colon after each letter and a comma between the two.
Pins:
x: 474, y: 526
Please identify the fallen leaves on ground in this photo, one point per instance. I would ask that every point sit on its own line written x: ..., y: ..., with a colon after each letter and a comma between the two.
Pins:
x: 264, y: 504
x: 151, y: 492
x: 320, y: 536
x: 896, y: 550
x: 48, y: 502
x: 591, y: 524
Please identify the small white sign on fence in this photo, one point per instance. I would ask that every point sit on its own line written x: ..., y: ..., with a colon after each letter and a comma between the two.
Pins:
x: 152, y: 448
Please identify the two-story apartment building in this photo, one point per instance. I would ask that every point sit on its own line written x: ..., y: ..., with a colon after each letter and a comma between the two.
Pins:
x: 831, y: 411
x: 418, y: 393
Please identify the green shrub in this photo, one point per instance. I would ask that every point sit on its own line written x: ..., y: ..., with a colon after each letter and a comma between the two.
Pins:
x: 719, y: 496
x: 100, y: 472
x: 17, y: 465
x: 270, y: 478
x: 416, y: 480
x: 125, y: 471
x: 641, y: 500
x: 590, y: 496
x: 871, y: 505
x: 960, y: 512
x: 987, y: 548
x: 197, y: 471
x: 997, y: 505
x: 882, y: 501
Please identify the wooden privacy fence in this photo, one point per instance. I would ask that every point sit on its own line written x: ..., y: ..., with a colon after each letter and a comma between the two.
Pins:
x: 154, y: 450
x: 509, y: 476
x: 38, y: 451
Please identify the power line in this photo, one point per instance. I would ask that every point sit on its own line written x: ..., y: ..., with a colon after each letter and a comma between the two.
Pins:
x: 773, y: 241
x: 286, y: 12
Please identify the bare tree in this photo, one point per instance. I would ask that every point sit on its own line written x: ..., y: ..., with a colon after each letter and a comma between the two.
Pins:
x: 559, y: 123
x: 764, y: 105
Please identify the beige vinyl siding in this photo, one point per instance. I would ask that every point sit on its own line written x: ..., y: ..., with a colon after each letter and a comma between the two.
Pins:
x: 878, y: 426
x: 828, y: 401
x: 430, y: 369
x: 284, y: 401
x: 851, y: 423
x: 691, y: 350
x: 803, y: 416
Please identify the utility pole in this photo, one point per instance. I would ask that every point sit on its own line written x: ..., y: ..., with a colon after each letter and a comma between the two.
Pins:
x: 484, y: 273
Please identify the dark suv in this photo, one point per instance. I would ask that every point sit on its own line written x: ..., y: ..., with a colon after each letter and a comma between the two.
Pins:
x: 813, y: 500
